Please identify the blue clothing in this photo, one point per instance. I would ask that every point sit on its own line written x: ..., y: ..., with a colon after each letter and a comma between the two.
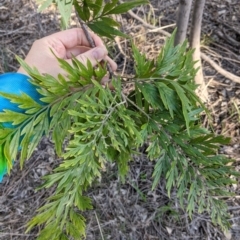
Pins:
x: 16, y: 83
x: 13, y: 83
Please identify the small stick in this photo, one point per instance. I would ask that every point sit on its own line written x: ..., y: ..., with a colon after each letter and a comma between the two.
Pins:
x: 88, y: 36
x: 92, y: 43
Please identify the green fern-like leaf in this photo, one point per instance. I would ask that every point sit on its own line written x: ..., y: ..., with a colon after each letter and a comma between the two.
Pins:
x: 92, y: 125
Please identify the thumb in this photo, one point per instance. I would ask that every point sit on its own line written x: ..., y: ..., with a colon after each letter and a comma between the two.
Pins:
x: 94, y: 55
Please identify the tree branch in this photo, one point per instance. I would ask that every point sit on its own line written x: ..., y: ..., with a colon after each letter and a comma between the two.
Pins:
x: 194, y: 40
x: 219, y: 69
x: 92, y: 43
x: 182, y: 21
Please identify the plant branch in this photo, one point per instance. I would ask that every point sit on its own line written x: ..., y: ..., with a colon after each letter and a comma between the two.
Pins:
x: 222, y: 71
x: 219, y: 69
x: 85, y: 30
x: 92, y: 43
x: 183, y: 15
x: 194, y: 41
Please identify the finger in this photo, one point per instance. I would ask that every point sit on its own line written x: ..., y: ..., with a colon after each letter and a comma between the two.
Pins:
x: 74, y: 37
x: 112, y: 63
x: 79, y: 50
x: 76, y: 51
x: 94, y: 55
x: 107, y: 82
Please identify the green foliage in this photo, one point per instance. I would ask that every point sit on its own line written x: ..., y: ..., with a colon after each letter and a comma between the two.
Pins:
x: 101, y: 125
x: 95, y: 13
x: 100, y: 21
x: 64, y: 7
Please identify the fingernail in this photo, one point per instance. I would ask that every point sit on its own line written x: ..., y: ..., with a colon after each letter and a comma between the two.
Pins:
x: 99, y: 53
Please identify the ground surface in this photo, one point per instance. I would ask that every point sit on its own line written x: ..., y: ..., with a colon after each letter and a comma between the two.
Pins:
x: 128, y: 211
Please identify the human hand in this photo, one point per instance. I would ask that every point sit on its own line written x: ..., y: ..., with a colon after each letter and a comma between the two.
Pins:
x: 65, y: 44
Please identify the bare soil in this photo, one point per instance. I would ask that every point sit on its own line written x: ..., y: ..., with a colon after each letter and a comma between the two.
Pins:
x: 127, y: 211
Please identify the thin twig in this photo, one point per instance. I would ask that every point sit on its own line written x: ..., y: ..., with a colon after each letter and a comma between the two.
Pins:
x: 100, y: 229
x: 92, y: 43
x: 147, y: 25
x: 85, y: 30
x: 220, y: 70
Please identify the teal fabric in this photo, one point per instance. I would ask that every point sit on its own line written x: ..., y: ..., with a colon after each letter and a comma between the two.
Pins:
x: 14, y: 83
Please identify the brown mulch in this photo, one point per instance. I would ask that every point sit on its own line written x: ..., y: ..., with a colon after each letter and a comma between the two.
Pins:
x: 130, y: 210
